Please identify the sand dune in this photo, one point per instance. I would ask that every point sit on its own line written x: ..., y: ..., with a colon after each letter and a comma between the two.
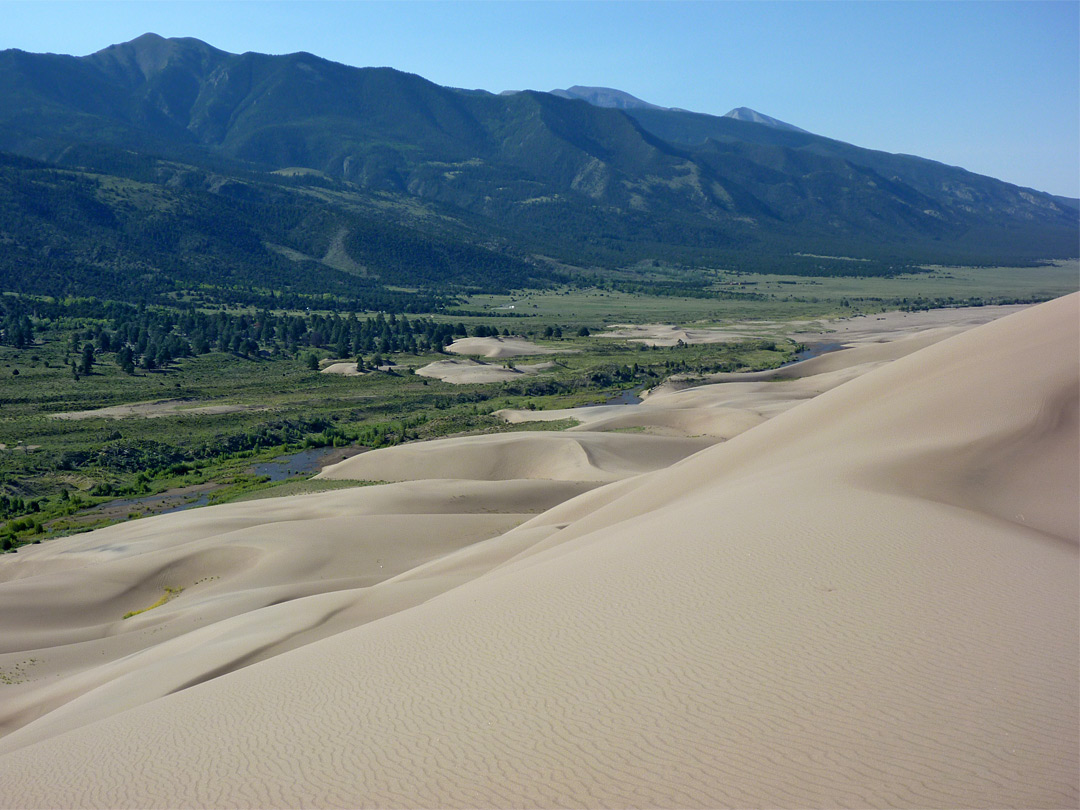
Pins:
x: 463, y: 372
x: 867, y: 599
x: 501, y: 348
x: 724, y: 405
x: 257, y: 578
x: 504, y: 456
x: 657, y: 334
x: 856, y: 329
x: 156, y: 409
x: 348, y: 369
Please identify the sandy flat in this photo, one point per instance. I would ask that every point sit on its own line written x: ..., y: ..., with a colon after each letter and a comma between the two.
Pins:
x: 868, y: 598
x: 890, y: 325
x: 501, y: 348
x: 883, y: 326
x: 151, y: 410
x: 660, y: 334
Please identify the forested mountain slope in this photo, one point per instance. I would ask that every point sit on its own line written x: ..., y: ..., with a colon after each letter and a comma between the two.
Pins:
x: 414, y: 184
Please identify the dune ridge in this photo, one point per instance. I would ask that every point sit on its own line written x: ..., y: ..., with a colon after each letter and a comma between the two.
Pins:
x: 868, y: 598
x: 559, y: 456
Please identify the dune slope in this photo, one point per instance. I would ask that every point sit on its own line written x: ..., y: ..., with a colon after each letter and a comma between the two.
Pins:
x: 869, y: 599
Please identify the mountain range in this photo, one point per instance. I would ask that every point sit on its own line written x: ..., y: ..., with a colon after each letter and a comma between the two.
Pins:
x: 371, y: 176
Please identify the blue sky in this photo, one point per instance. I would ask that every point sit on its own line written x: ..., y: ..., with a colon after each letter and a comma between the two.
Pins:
x: 990, y: 86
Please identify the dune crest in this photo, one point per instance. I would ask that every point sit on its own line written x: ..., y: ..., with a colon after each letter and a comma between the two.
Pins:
x: 556, y: 456
x: 868, y: 599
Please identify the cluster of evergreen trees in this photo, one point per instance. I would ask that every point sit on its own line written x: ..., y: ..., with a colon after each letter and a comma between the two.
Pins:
x: 17, y: 506
x: 16, y: 330
x: 152, y: 337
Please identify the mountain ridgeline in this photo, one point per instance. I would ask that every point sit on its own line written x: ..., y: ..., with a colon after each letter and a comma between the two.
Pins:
x: 166, y: 164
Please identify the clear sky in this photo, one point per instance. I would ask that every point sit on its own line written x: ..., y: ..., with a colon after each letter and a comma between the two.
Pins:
x: 990, y: 86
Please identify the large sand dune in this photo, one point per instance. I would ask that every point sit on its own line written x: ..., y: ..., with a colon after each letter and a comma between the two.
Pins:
x: 503, y: 456
x: 866, y: 598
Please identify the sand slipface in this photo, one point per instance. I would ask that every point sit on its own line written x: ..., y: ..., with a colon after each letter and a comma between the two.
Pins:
x: 867, y: 599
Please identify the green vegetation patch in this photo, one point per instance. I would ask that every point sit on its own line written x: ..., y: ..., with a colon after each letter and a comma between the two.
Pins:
x: 300, y: 486
x: 170, y: 593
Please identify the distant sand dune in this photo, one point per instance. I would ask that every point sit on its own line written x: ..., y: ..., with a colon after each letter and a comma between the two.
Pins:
x: 348, y: 369
x: 868, y: 598
x: 501, y: 348
x: 724, y: 405
x: 463, y: 372
x: 156, y: 409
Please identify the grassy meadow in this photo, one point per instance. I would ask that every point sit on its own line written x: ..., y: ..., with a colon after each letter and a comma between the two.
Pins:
x: 779, y: 297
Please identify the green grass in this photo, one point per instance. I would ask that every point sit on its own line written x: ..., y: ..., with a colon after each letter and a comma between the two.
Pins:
x: 961, y: 283
x: 572, y: 308
x: 297, y: 486
x: 170, y: 593
x: 782, y: 297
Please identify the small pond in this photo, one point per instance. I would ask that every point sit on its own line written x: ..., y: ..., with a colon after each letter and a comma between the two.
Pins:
x: 632, y: 397
x: 302, y: 462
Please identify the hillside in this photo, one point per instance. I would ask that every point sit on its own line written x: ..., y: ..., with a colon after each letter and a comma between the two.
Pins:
x: 498, y: 183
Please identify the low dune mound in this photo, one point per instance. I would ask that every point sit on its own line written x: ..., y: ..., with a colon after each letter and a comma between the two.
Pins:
x: 158, y: 408
x: 345, y: 369
x: 463, y: 372
x: 850, y: 331
x: 897, y: 324
x: 867, y: 600
x: 657, y: 334
x: 501, y: 348
x: 560, y: 456
x: 715, y: 422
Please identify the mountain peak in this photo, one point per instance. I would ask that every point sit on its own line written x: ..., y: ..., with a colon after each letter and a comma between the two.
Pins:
x: 606, y: 97
x: 148, y: 54
x: 754, y: 117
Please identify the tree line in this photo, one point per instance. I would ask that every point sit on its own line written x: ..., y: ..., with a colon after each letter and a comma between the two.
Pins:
x: 151, y: 337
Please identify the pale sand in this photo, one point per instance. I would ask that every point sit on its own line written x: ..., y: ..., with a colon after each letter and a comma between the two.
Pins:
x: 723, y: 405
x: 558, y: 456
x: 152, y: 410
x: 347, y: 369
x: 463, y: 372
x: 884, y: 326
x: 869, y: 599
x: 501, y: 348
